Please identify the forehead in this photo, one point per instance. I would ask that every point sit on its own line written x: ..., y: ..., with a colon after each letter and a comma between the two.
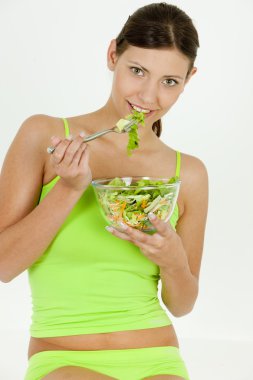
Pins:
x: 160, y: 61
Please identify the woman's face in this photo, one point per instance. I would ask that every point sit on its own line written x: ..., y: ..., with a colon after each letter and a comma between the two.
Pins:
x: 150, y: 79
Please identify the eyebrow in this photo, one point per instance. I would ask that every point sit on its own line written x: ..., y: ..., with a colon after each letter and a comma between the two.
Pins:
x: 164, y: 76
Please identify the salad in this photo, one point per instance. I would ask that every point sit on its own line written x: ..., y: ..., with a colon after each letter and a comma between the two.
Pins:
x: 131, y: 206
x: 133, y: 138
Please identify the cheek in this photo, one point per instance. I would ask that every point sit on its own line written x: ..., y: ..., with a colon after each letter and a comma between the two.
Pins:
x: 124, y: 85
x: 169, y: 98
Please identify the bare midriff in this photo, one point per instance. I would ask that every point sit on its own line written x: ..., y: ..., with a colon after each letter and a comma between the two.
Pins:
x: 155, y: 337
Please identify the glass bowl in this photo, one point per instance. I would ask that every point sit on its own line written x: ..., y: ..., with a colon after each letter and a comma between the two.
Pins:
x: 130, y: 199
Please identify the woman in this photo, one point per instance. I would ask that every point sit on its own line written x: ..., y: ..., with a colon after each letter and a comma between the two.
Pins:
x: 96, y: 314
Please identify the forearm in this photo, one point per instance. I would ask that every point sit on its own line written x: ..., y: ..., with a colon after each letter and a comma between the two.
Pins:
x: 24, y: 242
x: 179, y: 290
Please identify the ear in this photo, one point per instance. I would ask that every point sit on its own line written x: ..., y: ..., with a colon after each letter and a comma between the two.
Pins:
x: 191, y: 73
x: 111, y: 55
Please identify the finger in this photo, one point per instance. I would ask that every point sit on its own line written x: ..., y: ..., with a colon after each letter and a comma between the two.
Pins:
x: 135, y: 234
x: 84, y: 156
x: 58, y: 154
x: 121, y: 235
x: 78, y: 155
x: 161, y: 227
x: 55, y: 140
x: 117, y: 233
x: 71, y: 150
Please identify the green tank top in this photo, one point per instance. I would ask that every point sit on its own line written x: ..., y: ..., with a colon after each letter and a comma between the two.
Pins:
x: 89, y: 281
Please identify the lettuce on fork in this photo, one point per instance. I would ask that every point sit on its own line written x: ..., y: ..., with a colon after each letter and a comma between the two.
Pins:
x: 133, y: 137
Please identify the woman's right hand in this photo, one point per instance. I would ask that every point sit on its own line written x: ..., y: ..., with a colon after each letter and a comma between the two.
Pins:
x: 71, y: 161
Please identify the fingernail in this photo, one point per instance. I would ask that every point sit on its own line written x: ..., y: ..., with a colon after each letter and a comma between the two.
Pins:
x: 123, y: 226
x: 110, y: 229
x: 70, y: 137
x: 151, y: 216
x: 82, y: 134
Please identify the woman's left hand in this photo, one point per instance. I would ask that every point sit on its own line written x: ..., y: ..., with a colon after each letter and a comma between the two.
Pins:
x: 164, y: 247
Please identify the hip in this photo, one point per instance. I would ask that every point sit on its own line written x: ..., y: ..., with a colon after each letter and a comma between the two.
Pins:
x: 121, y: 364
x: 151, y: 337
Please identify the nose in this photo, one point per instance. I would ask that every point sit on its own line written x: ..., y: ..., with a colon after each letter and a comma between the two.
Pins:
x: 148, y: 94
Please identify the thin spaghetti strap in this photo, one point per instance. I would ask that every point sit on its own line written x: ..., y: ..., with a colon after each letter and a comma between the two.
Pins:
x: 178, y: 164
x: 66, y: 126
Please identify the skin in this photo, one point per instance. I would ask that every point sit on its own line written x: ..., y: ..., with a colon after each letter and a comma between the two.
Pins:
x: 178, y: 254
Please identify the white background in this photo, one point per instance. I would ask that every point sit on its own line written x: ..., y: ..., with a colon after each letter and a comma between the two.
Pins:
x: 53, y: 61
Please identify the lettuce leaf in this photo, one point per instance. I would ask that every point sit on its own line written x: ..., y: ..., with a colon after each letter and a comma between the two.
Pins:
x: 133, y: 137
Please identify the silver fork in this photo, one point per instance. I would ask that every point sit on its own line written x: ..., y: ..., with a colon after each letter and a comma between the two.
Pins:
x: 126, y: 128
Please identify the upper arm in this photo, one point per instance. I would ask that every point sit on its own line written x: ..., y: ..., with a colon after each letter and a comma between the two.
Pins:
x: 22, y: 171
x: 191, y: 225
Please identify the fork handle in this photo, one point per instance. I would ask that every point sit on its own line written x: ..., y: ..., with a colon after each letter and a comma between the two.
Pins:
x: 97, y: 134
x: 51, y: 149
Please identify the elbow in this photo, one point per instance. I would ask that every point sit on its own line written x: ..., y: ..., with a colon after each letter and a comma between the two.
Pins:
x: 182, y: 310
x: 6, y: 276
x: 181, y: 313
x: 5, y: 279
x: 8, y: 272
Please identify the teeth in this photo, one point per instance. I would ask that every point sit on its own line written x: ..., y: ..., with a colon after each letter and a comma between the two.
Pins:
x: 140, y: 109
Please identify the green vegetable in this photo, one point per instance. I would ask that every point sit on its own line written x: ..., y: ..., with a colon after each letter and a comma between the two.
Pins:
x: 133, y: 142
x: 121, y: 124
x: 133, y: 138
x: 133, y: 204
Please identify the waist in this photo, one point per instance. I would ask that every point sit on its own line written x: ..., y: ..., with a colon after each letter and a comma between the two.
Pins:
x: 152, y: 337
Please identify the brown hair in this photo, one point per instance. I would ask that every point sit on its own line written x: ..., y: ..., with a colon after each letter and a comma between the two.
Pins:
x: 160, y: 25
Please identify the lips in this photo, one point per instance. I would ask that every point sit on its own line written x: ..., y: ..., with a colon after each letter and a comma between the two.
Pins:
x: 139, y: 108
x: 147, y: 114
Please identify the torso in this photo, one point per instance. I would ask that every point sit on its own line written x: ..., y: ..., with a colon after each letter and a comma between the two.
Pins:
x: 108, y: 160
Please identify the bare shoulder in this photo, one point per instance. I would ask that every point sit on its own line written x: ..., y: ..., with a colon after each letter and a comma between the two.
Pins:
x: 194, y: 175
x: 192, y: 223
x: 192, y: 165
x: 28, y: 139
x: 33, y: 137
x: 23, y: 168
x: 39, y: 127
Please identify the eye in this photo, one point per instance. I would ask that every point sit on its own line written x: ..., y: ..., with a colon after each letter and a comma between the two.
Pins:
x: 137, y: 71
x: 170, y: 82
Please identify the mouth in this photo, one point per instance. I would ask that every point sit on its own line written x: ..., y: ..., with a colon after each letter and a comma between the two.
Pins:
x: 147, y: 112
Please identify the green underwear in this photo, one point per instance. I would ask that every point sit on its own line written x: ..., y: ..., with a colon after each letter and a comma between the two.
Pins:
x: 123, y: 364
